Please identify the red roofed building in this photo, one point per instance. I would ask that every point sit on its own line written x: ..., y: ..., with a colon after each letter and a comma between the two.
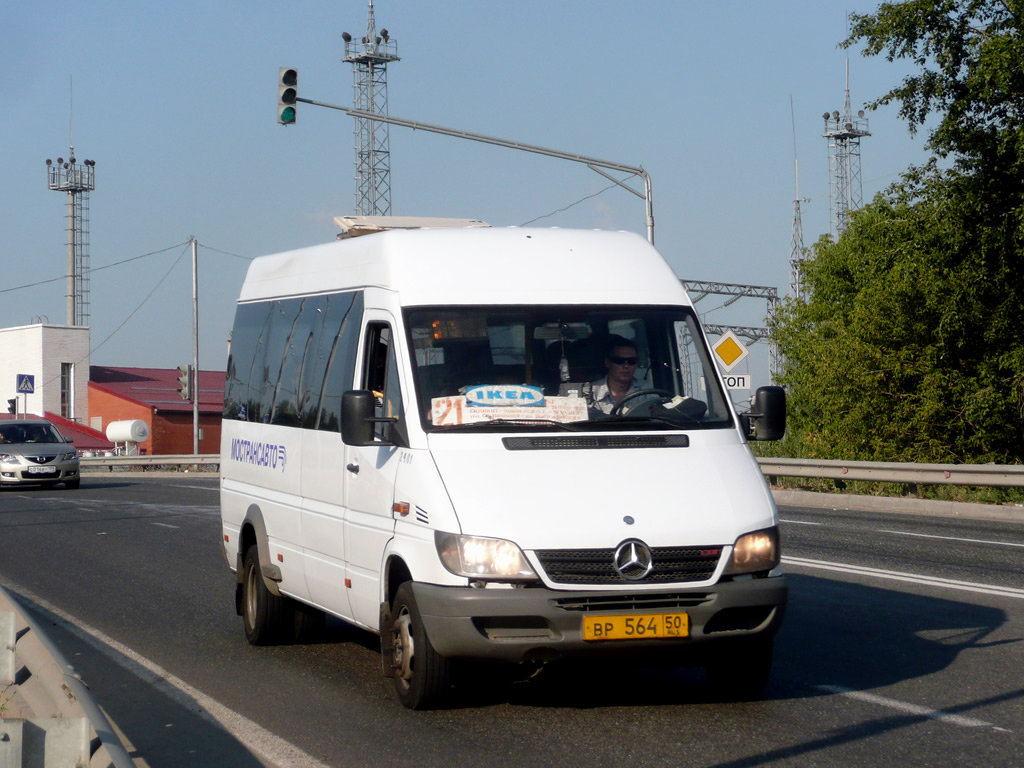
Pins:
x: 151, y: 394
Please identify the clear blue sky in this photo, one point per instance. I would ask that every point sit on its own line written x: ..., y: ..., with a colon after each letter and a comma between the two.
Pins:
x: 175, y: 102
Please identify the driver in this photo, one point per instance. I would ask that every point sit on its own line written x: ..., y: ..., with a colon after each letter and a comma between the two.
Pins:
x: 621, y: 361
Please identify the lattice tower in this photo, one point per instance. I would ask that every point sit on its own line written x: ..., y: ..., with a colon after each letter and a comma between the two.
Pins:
x: 370, y: 58
x: 797, y: 252
x: 844, y: 133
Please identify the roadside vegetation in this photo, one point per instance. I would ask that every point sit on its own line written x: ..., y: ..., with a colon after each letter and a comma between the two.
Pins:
x: 909, y: 344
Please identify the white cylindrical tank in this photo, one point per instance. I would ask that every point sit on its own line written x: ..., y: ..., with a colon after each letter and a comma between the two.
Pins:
x: 132, y: 431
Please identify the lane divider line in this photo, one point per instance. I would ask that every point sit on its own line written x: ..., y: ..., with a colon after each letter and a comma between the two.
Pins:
x: 955, y: 538
x: 914, y: 578
x: 798, y: 522
x: 908, y: 708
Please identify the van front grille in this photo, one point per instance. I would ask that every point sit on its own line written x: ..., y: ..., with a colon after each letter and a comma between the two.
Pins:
x: 597, y: 566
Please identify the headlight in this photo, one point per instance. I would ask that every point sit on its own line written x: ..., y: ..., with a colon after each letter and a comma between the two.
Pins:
x: 757, y: 551
x: 8, y: 457
x: 479, y: 558
x: 70, y: 456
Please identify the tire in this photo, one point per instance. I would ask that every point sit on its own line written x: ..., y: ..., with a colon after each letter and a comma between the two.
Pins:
x: 73, y: 485
x: 739, y: 671
x: 422, y: 677
x: 263, y: 614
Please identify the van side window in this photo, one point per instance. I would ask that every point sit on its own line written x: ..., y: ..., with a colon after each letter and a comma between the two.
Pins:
x: 335, y: 369
x: 380, y: 376
x: 291, y: 359
x: 298, y: 347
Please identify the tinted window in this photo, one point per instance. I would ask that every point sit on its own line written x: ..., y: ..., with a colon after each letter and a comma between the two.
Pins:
x: 339, y: 359
x: 287, y: 354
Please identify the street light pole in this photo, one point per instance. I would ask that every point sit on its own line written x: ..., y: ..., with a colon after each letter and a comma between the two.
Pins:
x: 593, y: 163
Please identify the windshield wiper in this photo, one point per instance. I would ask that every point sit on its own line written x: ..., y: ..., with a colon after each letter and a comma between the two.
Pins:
x: 627, y: 421
x: 508, y: 423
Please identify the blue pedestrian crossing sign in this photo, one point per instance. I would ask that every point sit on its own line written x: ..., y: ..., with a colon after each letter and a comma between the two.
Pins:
x: 26, y: 384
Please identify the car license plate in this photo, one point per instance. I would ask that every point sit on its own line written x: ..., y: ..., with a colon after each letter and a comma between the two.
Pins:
x: 41, y: 470
x: 638, y: 626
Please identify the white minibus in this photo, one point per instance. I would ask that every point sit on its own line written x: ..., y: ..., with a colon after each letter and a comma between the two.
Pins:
x: 495, y: 444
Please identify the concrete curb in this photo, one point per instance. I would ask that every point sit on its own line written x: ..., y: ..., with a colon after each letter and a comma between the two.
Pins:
x: 934, y: 508
x: 47, y: 715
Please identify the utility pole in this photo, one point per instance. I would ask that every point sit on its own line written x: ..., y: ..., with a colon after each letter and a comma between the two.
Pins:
x: 195, y: 345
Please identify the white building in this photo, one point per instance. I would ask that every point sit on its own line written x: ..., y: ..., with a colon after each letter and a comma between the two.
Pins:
x: 57, y: 359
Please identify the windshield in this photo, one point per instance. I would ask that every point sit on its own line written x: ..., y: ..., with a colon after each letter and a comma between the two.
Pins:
x: 29, y: 433
x: 581, y: 367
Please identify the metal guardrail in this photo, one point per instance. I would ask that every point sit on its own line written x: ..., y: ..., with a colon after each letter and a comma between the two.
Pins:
x: 162, y: 460
x: 54, y: 720
x: 982, y: 475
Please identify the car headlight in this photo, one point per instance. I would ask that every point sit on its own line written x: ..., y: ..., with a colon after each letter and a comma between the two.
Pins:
x: 757, y: 551
x: 483, y: 559
x: 8, y: 457
x: 69, y: 456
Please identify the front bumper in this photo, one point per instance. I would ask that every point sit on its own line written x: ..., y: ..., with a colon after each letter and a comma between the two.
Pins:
x: 541, y: 624
x: 20, y: 474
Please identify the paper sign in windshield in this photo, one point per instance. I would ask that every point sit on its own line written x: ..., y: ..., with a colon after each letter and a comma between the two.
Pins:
x: 504, y: 395
x: 446, y: 411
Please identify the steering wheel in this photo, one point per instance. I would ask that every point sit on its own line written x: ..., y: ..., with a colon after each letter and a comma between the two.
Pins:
x: 663, y: 393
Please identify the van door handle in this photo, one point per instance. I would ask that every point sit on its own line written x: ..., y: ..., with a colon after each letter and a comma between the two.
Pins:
x: 354, y: 468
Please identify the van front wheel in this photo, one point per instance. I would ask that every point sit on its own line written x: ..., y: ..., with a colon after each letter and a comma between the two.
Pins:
x: 422, y: 676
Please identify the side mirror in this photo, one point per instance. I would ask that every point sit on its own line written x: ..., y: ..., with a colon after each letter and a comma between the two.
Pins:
x: 767, y: 420
x: 357, y: 419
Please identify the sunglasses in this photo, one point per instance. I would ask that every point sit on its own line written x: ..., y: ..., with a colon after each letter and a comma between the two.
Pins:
x: 623, y: 360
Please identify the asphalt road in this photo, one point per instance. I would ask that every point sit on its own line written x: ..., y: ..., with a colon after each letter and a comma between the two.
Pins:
x: 902, y: 646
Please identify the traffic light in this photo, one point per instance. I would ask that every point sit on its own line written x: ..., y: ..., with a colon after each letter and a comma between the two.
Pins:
x: 287, y: 92
x: 185, y: 381
x: 12, y: 406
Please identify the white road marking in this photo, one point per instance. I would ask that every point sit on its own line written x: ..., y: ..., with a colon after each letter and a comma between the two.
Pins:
x: 954, y: 538
x: 167, y: 525
x: 912, y: 709
x: 799, y: 522
x: 914, y: 578
x: 264, y: 744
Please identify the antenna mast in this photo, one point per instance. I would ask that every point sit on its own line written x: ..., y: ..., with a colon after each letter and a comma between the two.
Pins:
x: 797, y: 252
x: 844, y: 133
x: 370, y: 59
x: 77, y: 181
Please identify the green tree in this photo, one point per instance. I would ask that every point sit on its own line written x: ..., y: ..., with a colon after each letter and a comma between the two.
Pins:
x: 910, y: 345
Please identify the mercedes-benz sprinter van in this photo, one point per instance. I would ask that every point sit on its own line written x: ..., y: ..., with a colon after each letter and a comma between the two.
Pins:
x: 496, y: 444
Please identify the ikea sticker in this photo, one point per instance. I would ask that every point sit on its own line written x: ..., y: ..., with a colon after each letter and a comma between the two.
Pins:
x: 504, y: 394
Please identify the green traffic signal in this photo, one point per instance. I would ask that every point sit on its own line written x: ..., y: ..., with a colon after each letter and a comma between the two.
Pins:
x: 287, y: 94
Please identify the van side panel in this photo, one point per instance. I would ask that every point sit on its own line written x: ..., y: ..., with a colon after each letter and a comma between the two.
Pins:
x: 260, y: 465
x: 323, y: 520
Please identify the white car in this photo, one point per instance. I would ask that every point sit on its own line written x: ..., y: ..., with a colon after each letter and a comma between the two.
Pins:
x: 32, y: 451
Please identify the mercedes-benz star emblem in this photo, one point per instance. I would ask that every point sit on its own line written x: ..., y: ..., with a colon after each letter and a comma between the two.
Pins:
x: 633, y: 560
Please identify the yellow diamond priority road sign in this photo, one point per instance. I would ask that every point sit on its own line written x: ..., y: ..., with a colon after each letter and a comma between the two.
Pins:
x: 729, y: 350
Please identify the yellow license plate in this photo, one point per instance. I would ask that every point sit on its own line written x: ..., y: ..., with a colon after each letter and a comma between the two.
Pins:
x: 638, y: 626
